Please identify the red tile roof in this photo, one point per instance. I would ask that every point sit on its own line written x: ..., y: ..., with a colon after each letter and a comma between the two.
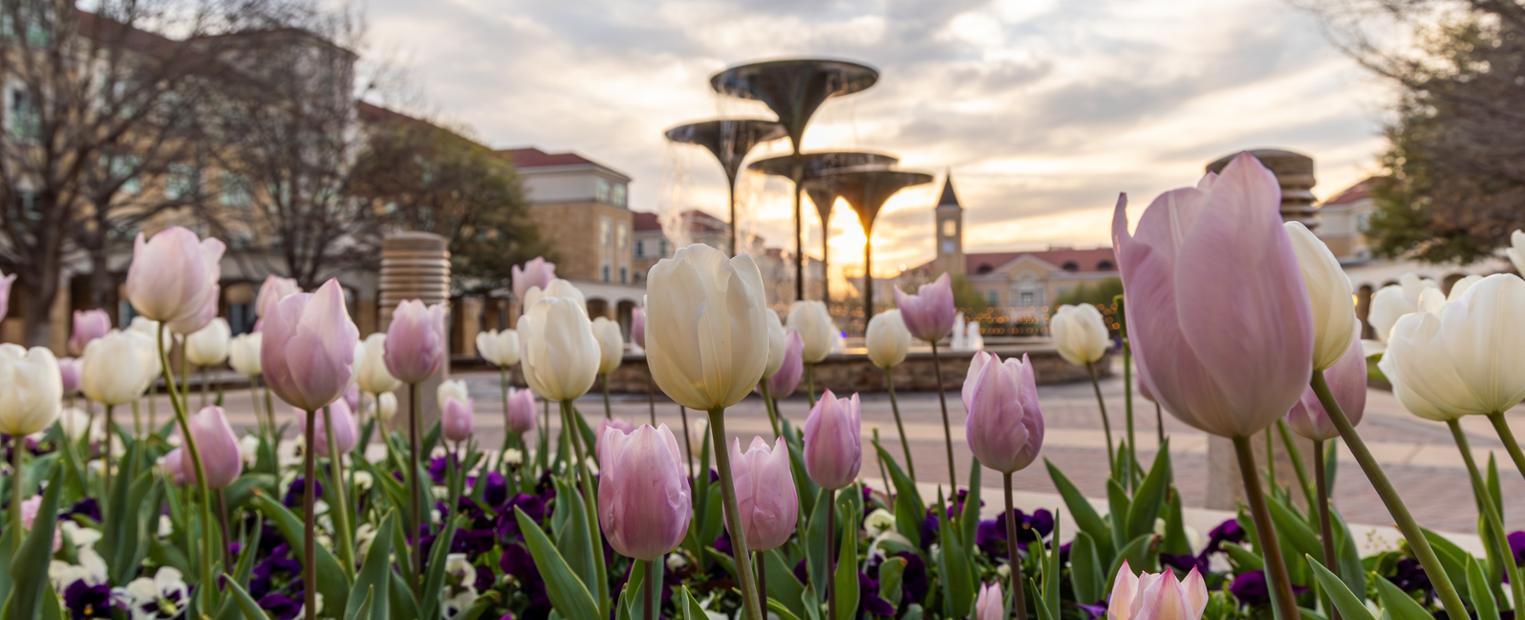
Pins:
x: 646, y: 220
x: 1089, y: 260
x: 1354, y: 193
x: 531, y: 157
x: 697, y: 221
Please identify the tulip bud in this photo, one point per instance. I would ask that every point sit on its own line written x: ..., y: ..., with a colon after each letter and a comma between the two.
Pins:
x: 1334, y: 312
x: 173, y: 466
x: 611, y: 344
x: 5, y: 293
x: 149, y: 329
x: 833, y: 445
x: 33, y: 387
x: 638, y: 327
x: 1395, y: 300
x: 606, y: 424
x: 1467, y: 359
x: 217, y: 446
x: 174, y: 275
x: 68, y: 374
x: 118, y: 368
x: 352, y: 396
x: 346, y: 429
x: 707, y: 331
x: 887, y: 339
x: 415, y: 343
x: 558, y: 288
x: 643, y: 493
x: 929, y: 313
x: 499, y: 348
x: 535, y: 273
x: 1156, y: 595
x: 559, y: 356
x: 1516, y: 254
x: 778, y: 342
x: 1005, y: 425
x: 271, y: 292
x: 209, y: 346
x: 991, y: 603
x: 371, y: 366
x: 243, y: 354
x: 196, y: 321
x: 88, y: 325
x: 813, y: 323
x: 1080, y: 334
x: 386, y: 407
x: 74, y: 422
x: 1230, y: 365
x: 790, y: 370
x: 308, y: 349
x: 765, y: 495
x: 521, y: 411
x: 455, y: 410
x: 1347, y: 381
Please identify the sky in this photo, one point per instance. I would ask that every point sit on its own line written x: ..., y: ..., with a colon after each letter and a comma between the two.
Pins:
x: 1043, y: 110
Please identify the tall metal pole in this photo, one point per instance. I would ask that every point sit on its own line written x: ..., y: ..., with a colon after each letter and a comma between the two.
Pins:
x: 799, y: 229
x: 731, y: 185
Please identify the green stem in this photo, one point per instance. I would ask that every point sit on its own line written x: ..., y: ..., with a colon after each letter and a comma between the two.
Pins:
x: 1014, y: 559
x: 688, y: 450
x: 1501, y: 426
x: 1270, y: 460
x: 416, y: 491
x: 1159, y: 423
x: 651, y: 592
x: 309, y: 537
x: 1296, y: 457
x: 603, y: 381
x: 810, y: 383
x: 1420, y: 546
x: 205, y: 588
x: 751, y: 605
x: 651, y: 400
x: 771, y: 407
x: 1270, y: 549
x: 343, y: 534
x: 1106, y: 424
x: 106, y: 451
x: 1490, y: 513
x: 1131, y: 451
x: 831, y: 554
x: 13, y: 512
x: 585, y: 478
x: 503, y: 390
x: 1325, y: 525
x: 905, y: 443
x: 942, y: 400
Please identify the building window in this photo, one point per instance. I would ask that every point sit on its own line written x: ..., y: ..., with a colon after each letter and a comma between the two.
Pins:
x: 990, y: 298
x: 624, y: 275
x: 1070, y: 266
x: 622, y: 238
x: 948, y: 247
x: 181, y: 183
x: 640, y: 248
x: 663, y: 247
x: 950, y: 228
x: 600, y: 189
x: 617, y: 194
x: 125, y: 169
x: 604, y: 232
x: 606, y: 273
x: 21, y: 117
x: 235, y: 192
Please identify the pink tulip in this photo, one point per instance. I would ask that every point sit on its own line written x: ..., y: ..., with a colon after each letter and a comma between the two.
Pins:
x: 833, y: 447
x: 521, y: 411
x: 29, y: 510
x: 88, y: 325
x: 1005, y: 424
x: 174, y: 275
x: 787, y: 379
x: 203, y: 316
x: 606, y: 424
x: 1347, y: 380
x: 991, y: 603
x: 172, y: 464
x: 455, y: 419
x: 638, y: 327
x: 928, y: 314
x: 643, y: 494
x: 346, y: 429
x: 271, y: 292
x: 536, y: 272
x: 5, y: 293
x: 415, y: 345
x: 69, y: 373
x: 307, y: 352
x: 765, y: 495
x: 217, y: 446
x: 352, y: 396
x: 1157, y: 596
x: 1217, y: 311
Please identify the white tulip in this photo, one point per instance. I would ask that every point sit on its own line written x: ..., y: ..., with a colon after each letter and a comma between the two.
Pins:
x: 611, y: 344
x: 243, y: 354
x: 32, y: 388
x: 887, y: 339
x: 118, y: 367
x: 778, y: 344
x: 1395, y: 300
x: 557, y: 288
x: 1516, y: 251
x: 209, y: 345
x: 454, y: 389
x: 1080, y: 333
x: 1467, y: 358
x: 1334, y: 310
x: 559, y: 354
x: 150, y: 329
x: 706, y: 327
x: 813, y: 322
x: 371, y: 372
x: 500, y: 348
x: 74, y: 422
x: 1462, y: 286
x: 386, y: 408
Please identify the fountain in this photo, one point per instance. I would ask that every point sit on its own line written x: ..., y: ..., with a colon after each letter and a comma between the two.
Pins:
x: 812, y: 166
x: 729, y: 140
x: 866, y: 188
x: 794, y: 89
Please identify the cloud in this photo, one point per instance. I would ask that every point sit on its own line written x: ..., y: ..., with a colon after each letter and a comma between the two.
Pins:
x: 1044, y: 110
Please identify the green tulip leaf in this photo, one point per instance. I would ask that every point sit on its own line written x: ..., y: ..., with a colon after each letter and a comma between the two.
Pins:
x: 1145, y: 507
x: 374, y: 578
x: 1348, y: 604
x: 30, y: 587
x: 1397, y: 604
x: 332, y: 583
x: 1085, y: 515
x: 1480, y: 590
x: 1086, y: 578
x: 247, y: 607
x: 569, y: 595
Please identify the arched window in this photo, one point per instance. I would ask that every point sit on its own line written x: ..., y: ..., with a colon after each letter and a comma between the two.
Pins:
x: 950, y: 228
x: 1070, y: 266
x: 984, y: 268
x: 1105, y: 265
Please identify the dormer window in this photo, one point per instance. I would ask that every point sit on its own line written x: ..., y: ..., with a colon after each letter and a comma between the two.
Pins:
x: 1070, y: 266
x: 1105, y: 265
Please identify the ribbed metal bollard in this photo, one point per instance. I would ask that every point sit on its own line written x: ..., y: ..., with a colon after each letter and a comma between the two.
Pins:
x: 416, y: 265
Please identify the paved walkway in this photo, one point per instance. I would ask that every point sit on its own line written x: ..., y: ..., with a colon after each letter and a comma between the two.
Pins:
x: 1418, y: 455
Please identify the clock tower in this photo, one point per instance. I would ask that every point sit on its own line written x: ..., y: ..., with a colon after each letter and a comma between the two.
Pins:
x: 950, y: 230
